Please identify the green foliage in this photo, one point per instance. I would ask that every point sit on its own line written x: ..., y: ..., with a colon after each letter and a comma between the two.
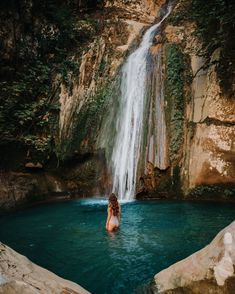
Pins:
x: 18, y: 97
x: 89, y: 120
x: 214, y: 20
x: 42, y: 144
x: 175, y: 70
x: 175, y: 67
x: 67, y: 68
x: 28, y: 110
x: 181, y: 14
x: 211, y: 191
x: 66, y: 29
x: 215, y: 24
x: 45, y: 35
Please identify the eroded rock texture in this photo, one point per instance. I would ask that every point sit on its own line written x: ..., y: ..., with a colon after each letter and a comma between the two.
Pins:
x: 210, y: 156
x: 210, y: 270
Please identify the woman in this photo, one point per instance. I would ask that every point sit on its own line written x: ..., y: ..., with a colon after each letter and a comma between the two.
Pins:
x: 114, y: 214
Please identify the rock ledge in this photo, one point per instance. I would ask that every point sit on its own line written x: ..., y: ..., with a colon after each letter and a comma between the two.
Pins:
x: 18, y: 275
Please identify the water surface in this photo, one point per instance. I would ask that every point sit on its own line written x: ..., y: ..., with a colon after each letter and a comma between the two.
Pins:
x: 69, y: 239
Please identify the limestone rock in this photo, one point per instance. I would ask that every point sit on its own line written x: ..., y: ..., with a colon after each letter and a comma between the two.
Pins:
x: 211, y: 156
x: 210, y: 270
x: 134, y: 29
x: 145, y: 10
x: 207, y: 160
x: 175, y: 34
x: 18, y: 275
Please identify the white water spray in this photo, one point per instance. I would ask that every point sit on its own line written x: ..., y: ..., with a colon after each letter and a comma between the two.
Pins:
x: 129, y: 126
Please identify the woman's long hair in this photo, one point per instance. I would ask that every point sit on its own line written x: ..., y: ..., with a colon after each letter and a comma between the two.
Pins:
x: 113, y: 202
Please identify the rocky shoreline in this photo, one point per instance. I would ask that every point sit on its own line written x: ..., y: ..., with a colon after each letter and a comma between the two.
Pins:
x: 18, y: 275
x: 209, y: 270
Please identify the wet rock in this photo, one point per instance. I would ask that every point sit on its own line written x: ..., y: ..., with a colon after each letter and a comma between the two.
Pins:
x: 20, y: 188
x: 19, y: 275
x: 210, y: 270
x: 86, y: 175
x: 32, y: 165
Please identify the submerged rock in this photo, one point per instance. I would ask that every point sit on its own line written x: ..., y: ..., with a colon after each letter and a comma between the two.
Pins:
x: 19, y: 275
x: 210, y: 270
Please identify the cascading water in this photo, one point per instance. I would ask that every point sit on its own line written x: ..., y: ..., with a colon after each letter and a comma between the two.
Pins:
x: 129, y: 126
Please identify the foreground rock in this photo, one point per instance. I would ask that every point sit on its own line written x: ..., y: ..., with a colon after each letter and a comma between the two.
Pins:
x: 210, y: 270
x: 19, y: 275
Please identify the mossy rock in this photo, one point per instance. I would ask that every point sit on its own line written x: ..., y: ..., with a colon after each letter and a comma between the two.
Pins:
x: 220, y: 192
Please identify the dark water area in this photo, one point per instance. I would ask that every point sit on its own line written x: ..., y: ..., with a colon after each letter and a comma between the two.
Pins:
x: 69, y: 239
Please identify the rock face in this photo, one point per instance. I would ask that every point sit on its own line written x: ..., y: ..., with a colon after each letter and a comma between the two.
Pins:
x: 78, y: 177
x: 189, y: 127
x: 20, y: 188
x: 200, y: 119
x: 94, y: 93
x: 18, y: 275
x: 209, y: 153
x: 210, y: 270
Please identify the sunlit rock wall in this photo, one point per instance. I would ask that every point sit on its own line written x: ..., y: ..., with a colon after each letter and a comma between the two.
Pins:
x: 207, y: 154
x: 200, y: 120
x: 89, y: 96
x: 145, y: 9
x: 211, y: 156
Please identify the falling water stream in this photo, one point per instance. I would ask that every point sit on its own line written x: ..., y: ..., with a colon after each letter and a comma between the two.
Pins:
x: 127, y: 146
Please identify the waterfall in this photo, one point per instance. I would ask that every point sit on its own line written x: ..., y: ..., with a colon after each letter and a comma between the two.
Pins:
x: 129, y: 127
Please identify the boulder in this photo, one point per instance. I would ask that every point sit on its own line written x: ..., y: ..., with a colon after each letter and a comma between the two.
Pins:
x: 18, y: 275
x: 210, y: 270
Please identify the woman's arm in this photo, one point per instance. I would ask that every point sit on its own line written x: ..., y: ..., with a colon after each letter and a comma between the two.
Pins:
x: 108, y: 217
x: 119, y: 214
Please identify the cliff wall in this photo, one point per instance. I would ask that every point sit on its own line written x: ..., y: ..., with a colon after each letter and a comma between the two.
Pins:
x: 199, y: 105
x: 60, y: 86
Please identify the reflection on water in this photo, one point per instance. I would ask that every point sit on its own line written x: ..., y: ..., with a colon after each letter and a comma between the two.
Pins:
x: 70, y: 239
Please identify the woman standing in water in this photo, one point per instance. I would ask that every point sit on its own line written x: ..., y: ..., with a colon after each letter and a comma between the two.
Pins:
x: 114, y: 214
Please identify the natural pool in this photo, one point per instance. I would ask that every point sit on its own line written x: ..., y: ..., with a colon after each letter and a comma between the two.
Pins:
x: 69, y: 239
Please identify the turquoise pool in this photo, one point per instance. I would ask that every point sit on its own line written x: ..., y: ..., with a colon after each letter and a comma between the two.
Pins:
x: 69, y: 239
